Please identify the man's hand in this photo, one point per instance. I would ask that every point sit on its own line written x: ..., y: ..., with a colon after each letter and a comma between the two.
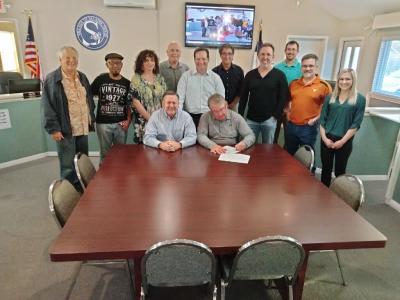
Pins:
x: 170, y: 146
x: 240, y: 146
x: 328, y: 143
x: 217, y: 149
x: 57, y: 136
x: 312, y: 121
x: 125, y: 124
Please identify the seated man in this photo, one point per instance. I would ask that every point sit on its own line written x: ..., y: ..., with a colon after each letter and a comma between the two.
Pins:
x: 170, y: 128
x: 222, y: 126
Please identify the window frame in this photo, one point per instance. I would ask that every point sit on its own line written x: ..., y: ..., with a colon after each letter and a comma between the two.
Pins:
x: 18, y: 46
x: 379, y: 94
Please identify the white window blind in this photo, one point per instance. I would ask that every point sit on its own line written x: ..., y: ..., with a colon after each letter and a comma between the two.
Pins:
x: 387, y: 71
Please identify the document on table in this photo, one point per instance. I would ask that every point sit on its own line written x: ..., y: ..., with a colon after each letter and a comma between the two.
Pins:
x: 235, y: 157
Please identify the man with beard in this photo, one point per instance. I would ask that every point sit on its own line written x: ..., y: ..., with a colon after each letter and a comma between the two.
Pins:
x: 307, y: 95
x: 113, y: 110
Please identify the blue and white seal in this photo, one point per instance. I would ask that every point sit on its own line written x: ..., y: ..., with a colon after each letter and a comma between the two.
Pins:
x: 92, y: 32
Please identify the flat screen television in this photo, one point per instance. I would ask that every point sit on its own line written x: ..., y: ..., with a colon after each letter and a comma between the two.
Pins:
x: 211, y: 25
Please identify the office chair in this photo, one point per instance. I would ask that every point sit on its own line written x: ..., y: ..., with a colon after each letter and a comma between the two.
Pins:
x: 178, y: 269
x: 84, y: 169
x: 63, y: 198
x: 351, y: 190
x: 305, y: 155
x: 5, y: 77
x: 266, y: 258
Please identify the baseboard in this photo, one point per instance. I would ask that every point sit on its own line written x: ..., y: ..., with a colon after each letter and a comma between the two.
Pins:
x: 362, y: 177
x: 22, y: 160
x: 393, y: 204
x: 91, y: 153
x: 26, y: 159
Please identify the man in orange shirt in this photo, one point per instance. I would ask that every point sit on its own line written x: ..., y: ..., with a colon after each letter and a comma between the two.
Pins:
x: 307, y: 95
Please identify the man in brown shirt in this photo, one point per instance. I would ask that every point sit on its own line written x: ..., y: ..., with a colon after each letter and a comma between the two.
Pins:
x: 68, y: 111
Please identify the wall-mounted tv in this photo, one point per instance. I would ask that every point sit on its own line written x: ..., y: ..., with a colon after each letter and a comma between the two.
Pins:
x: 211, y: 25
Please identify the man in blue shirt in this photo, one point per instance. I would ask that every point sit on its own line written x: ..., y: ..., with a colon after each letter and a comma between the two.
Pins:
x: 291, y: 67
x: 170, y: 128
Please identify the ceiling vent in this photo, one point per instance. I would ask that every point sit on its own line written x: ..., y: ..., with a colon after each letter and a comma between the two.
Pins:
x: 385, y: 21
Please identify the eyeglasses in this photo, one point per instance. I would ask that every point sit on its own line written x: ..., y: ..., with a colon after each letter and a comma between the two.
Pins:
x: 116, y: 63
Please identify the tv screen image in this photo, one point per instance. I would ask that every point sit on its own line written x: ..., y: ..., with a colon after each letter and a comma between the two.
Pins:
x: 211, y: 25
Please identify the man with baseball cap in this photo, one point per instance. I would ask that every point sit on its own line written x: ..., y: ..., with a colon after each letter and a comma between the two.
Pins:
x: 113, y: 109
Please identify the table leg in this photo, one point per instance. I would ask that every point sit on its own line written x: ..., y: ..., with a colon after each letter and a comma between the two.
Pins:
x: 299, y: 284
x: 138, y: 277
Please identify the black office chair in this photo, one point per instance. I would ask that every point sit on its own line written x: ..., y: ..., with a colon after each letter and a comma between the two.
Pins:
x: 179, y: 269
x: 5, y: 77
x: 263, y: 259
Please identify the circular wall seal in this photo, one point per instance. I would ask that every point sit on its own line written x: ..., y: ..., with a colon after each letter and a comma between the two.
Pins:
x: 92, y: 32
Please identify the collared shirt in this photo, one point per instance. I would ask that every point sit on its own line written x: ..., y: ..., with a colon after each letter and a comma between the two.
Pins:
x: 306, y: 99
x: 194, y: 89
x: 337, y: 118
x: 232, y: 130
x: 291, y: 72
x: 171, y: 75
x: 162, y: 128
x: 232, y: 80
x: 77, y: 106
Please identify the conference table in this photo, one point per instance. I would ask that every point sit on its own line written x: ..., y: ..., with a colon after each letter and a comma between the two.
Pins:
x: 141, y: 196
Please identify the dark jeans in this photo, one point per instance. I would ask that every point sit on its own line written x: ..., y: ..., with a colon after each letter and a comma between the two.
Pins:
x: 196, y: 119
x: 282, y: 120
x: 66, y: 149
x: 298, y: 135
x: 341, y: 157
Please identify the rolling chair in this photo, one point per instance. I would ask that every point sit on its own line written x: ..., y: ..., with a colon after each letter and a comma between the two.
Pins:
x: 305, y: 155
x: 178, y: 269
x: 84, y: 169
x: 63, y: 198
x: 263, y: 259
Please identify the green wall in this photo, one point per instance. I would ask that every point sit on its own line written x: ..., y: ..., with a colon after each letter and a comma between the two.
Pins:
x: 26, y: 136
x: 373, y: 144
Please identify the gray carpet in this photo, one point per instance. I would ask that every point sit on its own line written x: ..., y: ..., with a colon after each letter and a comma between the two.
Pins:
x: 27, y: 229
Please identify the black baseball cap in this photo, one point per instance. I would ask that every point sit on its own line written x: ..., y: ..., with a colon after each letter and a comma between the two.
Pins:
x: 114, y: 55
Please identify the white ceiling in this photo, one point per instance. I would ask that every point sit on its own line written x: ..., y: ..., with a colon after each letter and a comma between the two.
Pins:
x: 354, y: 9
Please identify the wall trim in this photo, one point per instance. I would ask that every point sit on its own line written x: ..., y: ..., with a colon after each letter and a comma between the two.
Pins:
x: 393, y: 204
x: 362, y: 177
x: 22, y: 160
x: 26, y: 159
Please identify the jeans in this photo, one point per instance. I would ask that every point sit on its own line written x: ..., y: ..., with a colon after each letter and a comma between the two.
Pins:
x: 66, y: 149
x: 341, y: 157
x: 267, y: 129
x: 298, y: 135
x: 109, y: 134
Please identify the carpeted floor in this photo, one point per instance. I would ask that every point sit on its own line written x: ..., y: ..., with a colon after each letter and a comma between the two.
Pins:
x: 27, y: 230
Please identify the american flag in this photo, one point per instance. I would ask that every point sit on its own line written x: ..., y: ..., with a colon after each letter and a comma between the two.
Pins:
x: 31, y: 53
x: 258, y: 45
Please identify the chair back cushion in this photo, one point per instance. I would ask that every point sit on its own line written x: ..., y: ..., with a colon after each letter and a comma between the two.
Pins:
x: 350, y: 189
x: 305, y: 155
x: 85, y: 169
x: 268, y: 258
x: 178, y: 263
x: 63, y: 198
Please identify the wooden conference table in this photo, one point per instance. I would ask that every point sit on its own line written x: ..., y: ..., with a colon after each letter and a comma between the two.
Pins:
x: 141, y: 196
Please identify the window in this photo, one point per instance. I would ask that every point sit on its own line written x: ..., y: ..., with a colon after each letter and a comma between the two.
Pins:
x: 350, y: 54
x: 387, y: 72
x: 8, y: 47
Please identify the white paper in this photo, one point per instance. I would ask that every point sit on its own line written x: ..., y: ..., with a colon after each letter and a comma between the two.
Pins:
x: 5, y: 121
x: 230, y: 149
x: 234, y: 157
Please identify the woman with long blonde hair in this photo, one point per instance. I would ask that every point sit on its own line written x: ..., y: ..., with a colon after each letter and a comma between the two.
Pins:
x: 341, y: 117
